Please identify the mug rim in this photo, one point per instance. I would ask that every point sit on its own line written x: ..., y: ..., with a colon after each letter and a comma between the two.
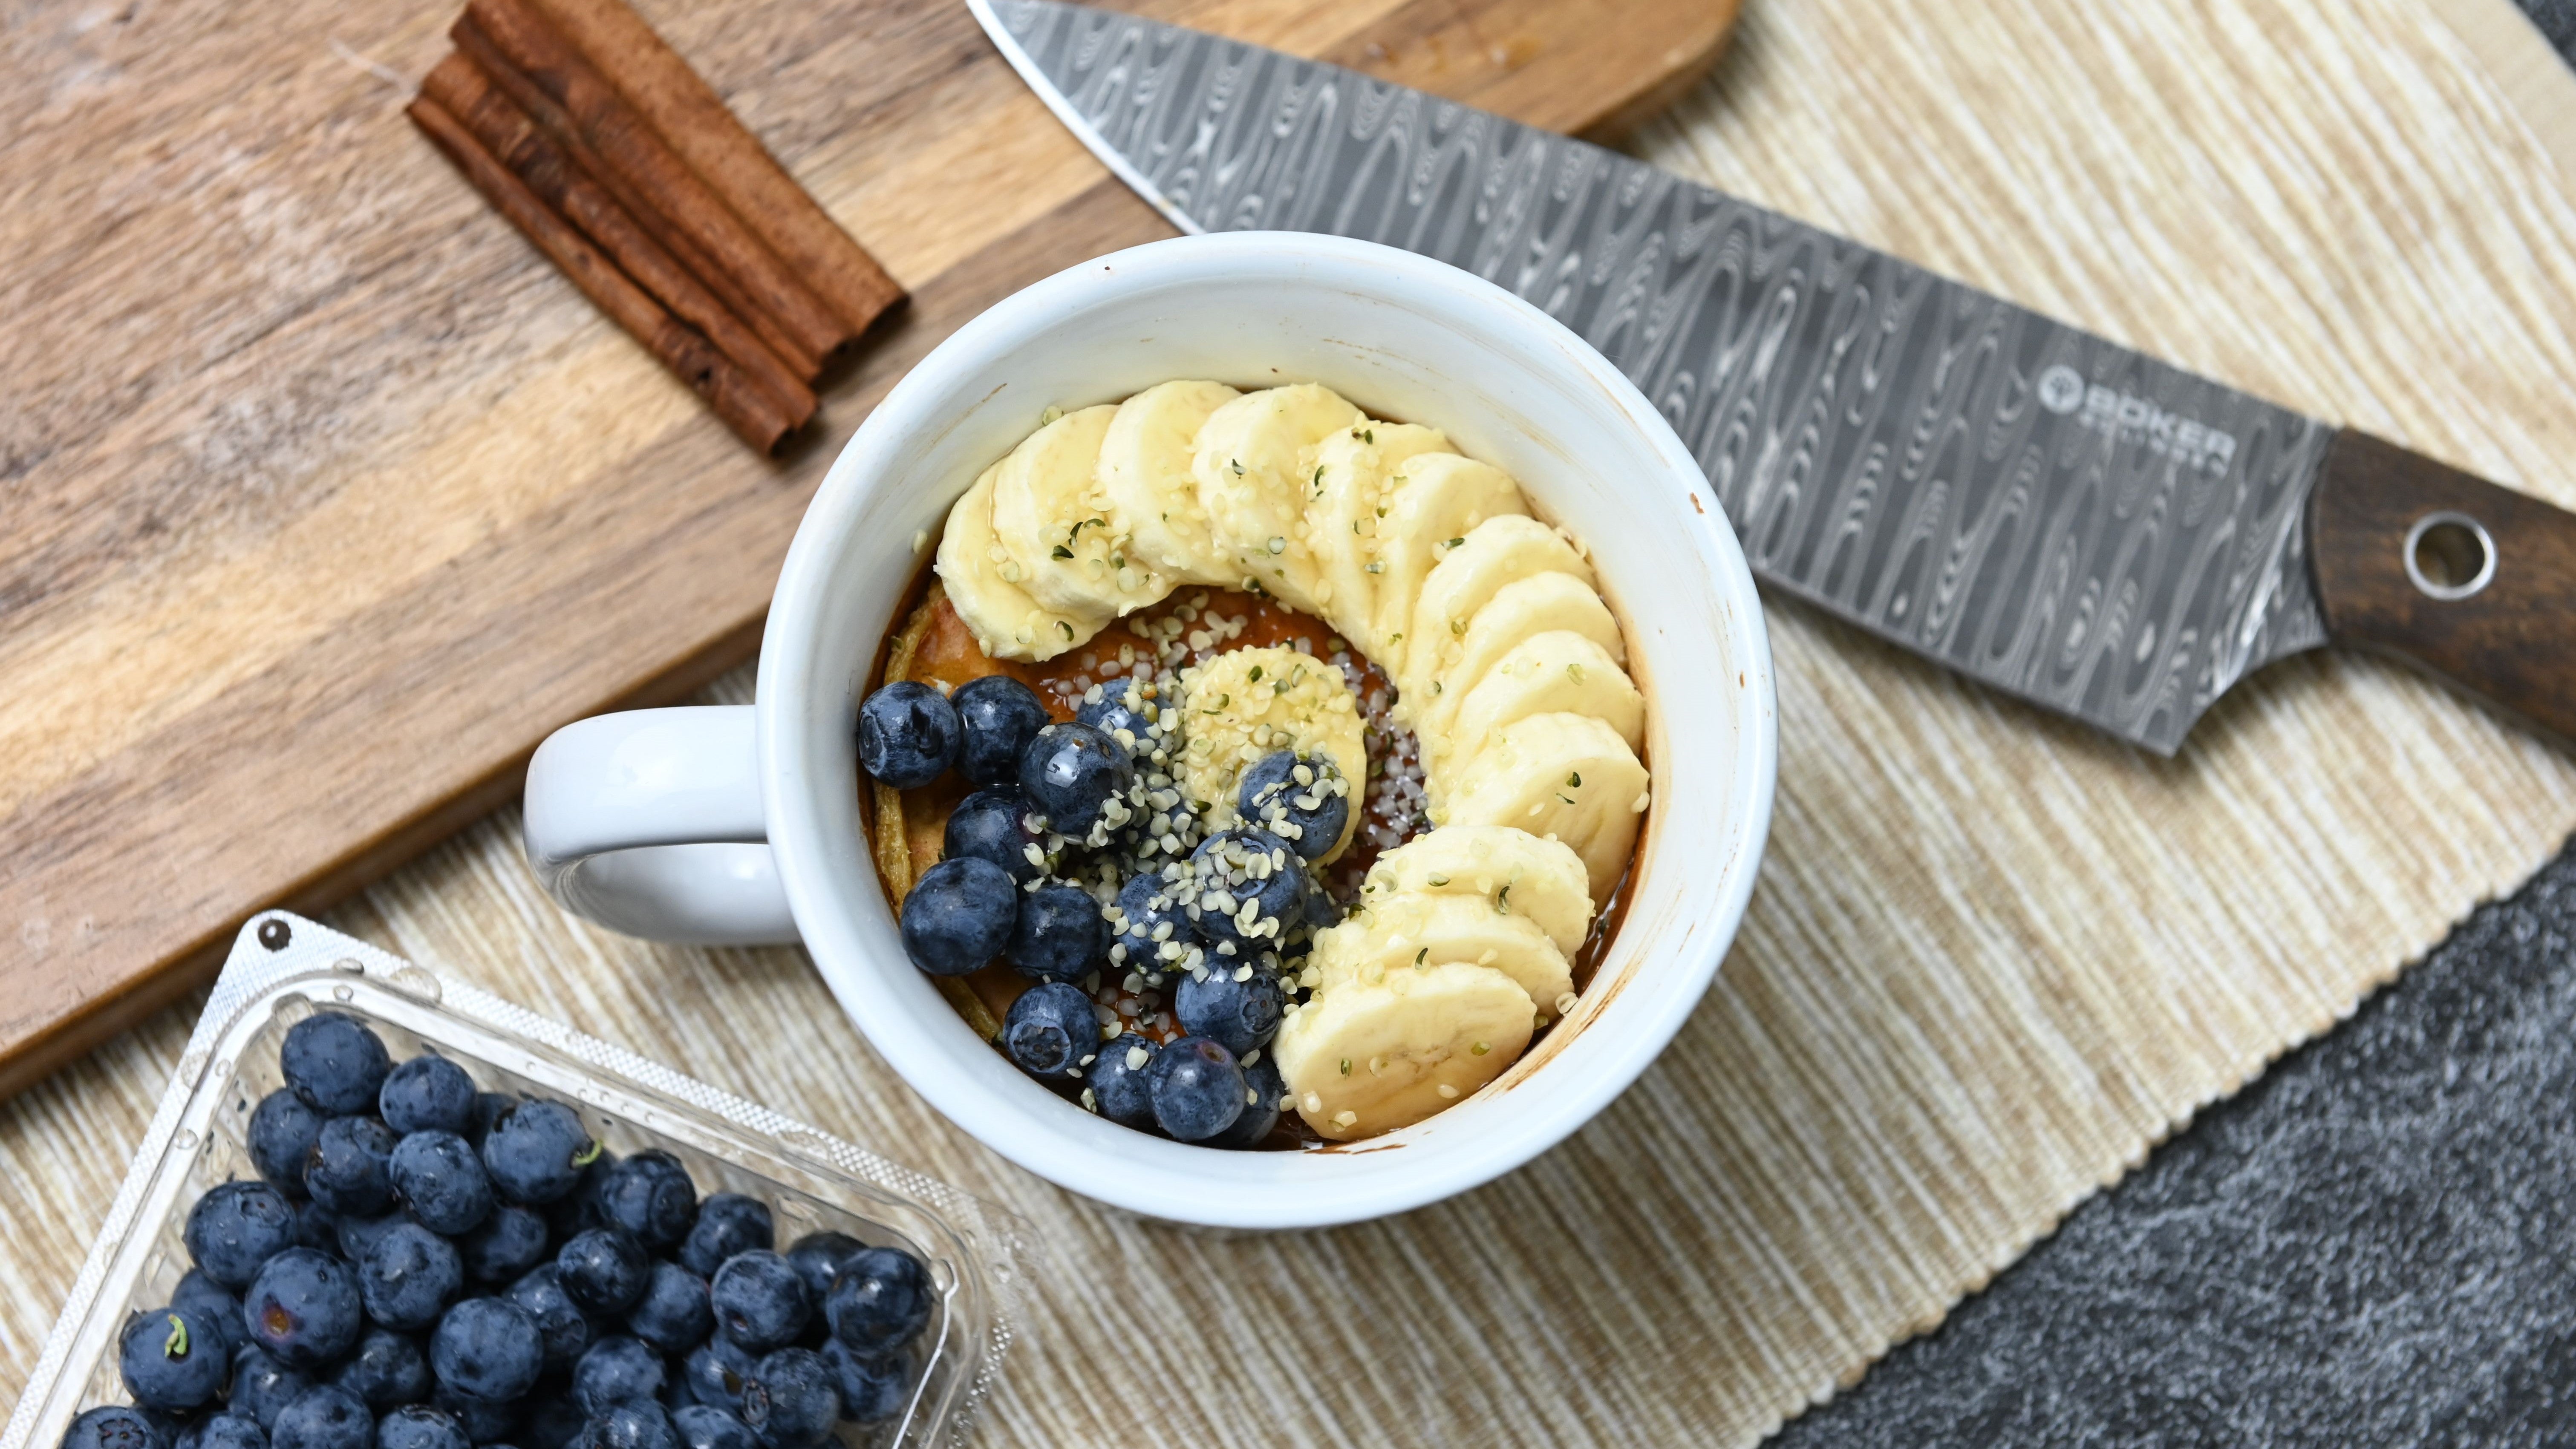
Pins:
x: 785, y: 699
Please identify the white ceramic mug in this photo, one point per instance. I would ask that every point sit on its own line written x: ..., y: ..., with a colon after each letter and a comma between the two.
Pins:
x: 712, y: 825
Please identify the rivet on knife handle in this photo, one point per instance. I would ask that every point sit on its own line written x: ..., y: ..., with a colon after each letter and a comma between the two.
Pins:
x: 2470, y: 580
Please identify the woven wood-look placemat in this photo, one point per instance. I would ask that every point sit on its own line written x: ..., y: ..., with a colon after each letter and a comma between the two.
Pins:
x: 1993, y: 958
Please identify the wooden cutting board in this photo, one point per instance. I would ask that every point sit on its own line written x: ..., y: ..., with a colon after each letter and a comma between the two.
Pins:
x: 323, y: 499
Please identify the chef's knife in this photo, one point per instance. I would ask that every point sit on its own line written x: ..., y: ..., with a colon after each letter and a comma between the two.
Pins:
x: 2047, y: 511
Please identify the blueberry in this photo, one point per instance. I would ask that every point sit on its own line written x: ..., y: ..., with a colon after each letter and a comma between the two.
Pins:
x: 882, y: 1298
x: 760, y: 1301
x: 487, y: 1348
x: 1117, y: 1081
x: 715, y: 1371
x: 1071, y: 772
x: 1263, y: 1090
x: 488, y: 1109
x: 578, y: 1210
x: 1197, y: 1089
x: 263, y: 1384
x: 505, y: 1246
x: 959, y: 916
x: 792, y: 1399
x: 561, y: 1325
x: 386, y: 1371
x: 485, y: 1421
x: 604, y: 1270
x: 616, y: 1370
x: 356, y: 1237
x: 323, y: 1418
x: 304, y: 1307
x: 418, y: 1426
x: 113, y: 1426
x: 315, y: 1225
x: 1301, y: 796
x: 349, y: 1170
x: 650, y: 1196
x: 818, y: 1257
x: 1119, y: 710
x: 202, y: 1297
x: 1000, y: 716
x: 282, y: 1129
x: 335, y: 1064
x: 728, y: 1223
x: 1050, y: 1029
x: 908, y: 735
x: 171, y: 1359
x: 224, y: 1431
x: 551, y: 1421
x: 1060, y: 934
x: 675, y: 1313
x: 704, y: 1426
x: 993, y: 824
x: 535, y: 1152
x: 425, y: 1094
x: 1250, y: 888
x: 873, y: 1390
x: 636, y: 1424
x: 436, y: 1172
x: 1237, y: 1007
x: 1153, y: 930
x: 409, y: 1277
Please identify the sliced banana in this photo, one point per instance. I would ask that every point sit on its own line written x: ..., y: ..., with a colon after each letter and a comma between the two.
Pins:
x: 1497, y: 552
x: 1563, y: 775
x: 1432, y: 503
x: 1153, y: 496
x: 1413, y: 932
x: 1518, y: 611
x: 1504, y: 868
x: 984, y: 584
x: 1247, y: 704
x: 1345, y: 518
x: 1255, y: 465
x: 1363, y: 1058
x: 1052, y: 515
x: 1558, y: 672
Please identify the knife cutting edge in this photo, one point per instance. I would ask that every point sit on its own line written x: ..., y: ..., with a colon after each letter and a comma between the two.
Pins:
x: 2065, y: 519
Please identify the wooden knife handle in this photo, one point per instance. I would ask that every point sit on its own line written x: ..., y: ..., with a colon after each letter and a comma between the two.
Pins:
x: 2470, y: 580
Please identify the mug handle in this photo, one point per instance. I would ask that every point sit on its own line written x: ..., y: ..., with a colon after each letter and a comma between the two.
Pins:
x: 650, y: 823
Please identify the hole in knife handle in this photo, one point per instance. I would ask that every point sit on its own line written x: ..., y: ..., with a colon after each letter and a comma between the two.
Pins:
x: 2449, y: 555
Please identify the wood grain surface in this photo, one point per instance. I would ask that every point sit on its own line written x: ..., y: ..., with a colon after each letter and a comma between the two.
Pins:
x: 326, y: 499
x: 1993, y: 958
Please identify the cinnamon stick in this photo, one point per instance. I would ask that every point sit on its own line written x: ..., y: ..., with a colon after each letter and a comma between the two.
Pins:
x: 703, y: 130
x: 543, y: 72
x: 749, y: 409
x: 511, y: 137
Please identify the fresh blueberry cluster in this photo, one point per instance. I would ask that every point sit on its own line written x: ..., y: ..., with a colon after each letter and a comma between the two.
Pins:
x: 428, y: 1266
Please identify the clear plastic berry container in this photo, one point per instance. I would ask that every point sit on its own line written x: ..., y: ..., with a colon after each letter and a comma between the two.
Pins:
x: 284, y: 968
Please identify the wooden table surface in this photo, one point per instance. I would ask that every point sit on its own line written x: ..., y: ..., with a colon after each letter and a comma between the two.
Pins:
x: 1993, y: 959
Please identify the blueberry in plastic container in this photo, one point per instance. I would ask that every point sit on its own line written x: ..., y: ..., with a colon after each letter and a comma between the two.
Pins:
x: 650, y: 1196
x: 489, y: 1107
x: 1237, y: 1007
x: 171, y: 1359
x: 487, y: 1348
x: 263, y: 1384
x: 223, y: 1431
x: 202, y: 1297
x: 675, y: 1314
x: 304, y: 1307
x: 636, y: 1424
x: 1060, y: 934
x: 1197, y: 1089
x: 578, y: 1210
x: 1050, y: 1029
x: 355, y: 1237
x: 1263, y: 1091
x: 704, y: 1426
x: 817, y: 1258
x: 504, y: 1246
x: 791, y: 1399
x: 604, y: 1270
x: 332, y: 1061
x: 908, y: 735
x: 385, y: 1371
x: 993, y: 824
x: 409, y: 1277
x: 873, y: 1389
x: 760, y: 1301
x: 1155, y: 932
x: 616, y: 1369
x: 436, y: 1173
x: 282, y: 1129
x: 999, y: 716
x: 535, y: 1152
x: 727, y: 1223
x: 561, y: 1325
x: 485, y: 1421
x: 418, y: 1426
x: 323, y: 1418
x: 113, y: 1426
x: 1071, y: 772
x: 350, y: 1171
x: 715, y: 1371
x: 881, y: 1299
x: 427, y: 1093
x: 1309, y: 813
x: 958, y: 916
x: 1116, y: 1078
x: 315, y: 1225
